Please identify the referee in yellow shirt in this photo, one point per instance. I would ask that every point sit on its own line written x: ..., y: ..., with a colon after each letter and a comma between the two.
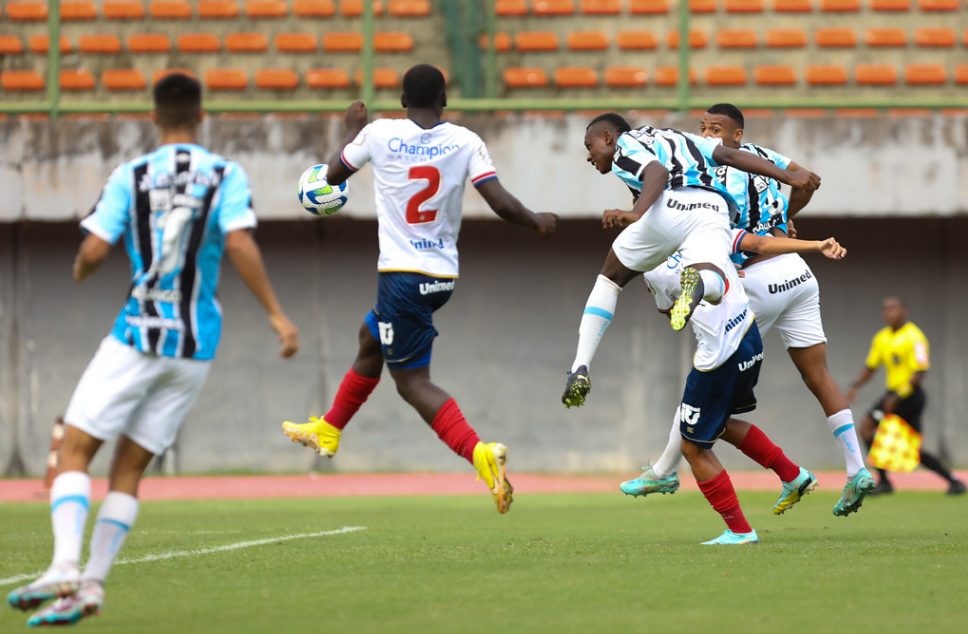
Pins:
x: 902, y: 349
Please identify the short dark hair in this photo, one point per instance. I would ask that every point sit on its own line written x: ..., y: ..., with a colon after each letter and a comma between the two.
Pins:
x: 178, y: 100
x: 613, y: 119
x: 424, y: 86
x: 730, y: 111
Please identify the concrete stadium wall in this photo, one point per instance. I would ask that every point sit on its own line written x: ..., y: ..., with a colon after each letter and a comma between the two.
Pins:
x: 507, y: 337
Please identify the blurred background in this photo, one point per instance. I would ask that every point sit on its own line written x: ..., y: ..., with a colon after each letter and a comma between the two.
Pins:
x: 871, y: 94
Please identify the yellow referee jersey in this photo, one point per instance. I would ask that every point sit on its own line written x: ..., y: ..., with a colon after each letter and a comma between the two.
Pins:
x: 903, y: 353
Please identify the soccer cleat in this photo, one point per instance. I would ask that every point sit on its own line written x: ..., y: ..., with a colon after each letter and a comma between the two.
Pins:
x: 317, y: 434
x: 794, y: 490
x: 690, y: 297
x: 577, y: 387
x: 68, y: 610
x: 490, y: 460
x: 648, y: 483
x: 957, y: 487
x: 50, y: 586
x: 856, y: 489
x: 729, y: 538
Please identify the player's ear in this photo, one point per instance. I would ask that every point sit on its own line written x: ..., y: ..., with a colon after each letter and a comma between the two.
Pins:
x: 738, y: 135
x: 443, y: 99
x: 403, y: 100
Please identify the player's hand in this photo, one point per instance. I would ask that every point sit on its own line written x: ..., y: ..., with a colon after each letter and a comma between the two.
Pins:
x: 803, y: 179
x: 832, y: 249
x: 618, y: 218
x: 356, y: 116
x: 287, y: 332
x: 791, y: 228
x: 545, y: 223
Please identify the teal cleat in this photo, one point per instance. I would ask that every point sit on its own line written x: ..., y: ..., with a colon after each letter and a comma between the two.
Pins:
x: 648, y: 483
x: 729, y: 538
x: 794, y: 490
x: 50, y: 586
x: 69, y: 610
x: 856, y: 489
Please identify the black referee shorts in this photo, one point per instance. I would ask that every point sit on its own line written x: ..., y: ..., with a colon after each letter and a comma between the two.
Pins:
x: 909, y: 408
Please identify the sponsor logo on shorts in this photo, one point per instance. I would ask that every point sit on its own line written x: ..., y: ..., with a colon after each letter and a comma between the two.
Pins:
x: 672, y: 203
x: 689, y: 414
x: 749, y: 363
x: 422, y: 245
x: 154, y: 322
x: 737, y: 320
x: 785, y: 286
x: 429, y: 288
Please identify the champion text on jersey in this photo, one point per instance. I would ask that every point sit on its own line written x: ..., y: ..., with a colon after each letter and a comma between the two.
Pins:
x: 428, y: 288
x: 399, y: 146
x: 749, y: 363
x: 737, y: 320
x: 785, y: 286
x: 421, y: 245
x: 672, y: 203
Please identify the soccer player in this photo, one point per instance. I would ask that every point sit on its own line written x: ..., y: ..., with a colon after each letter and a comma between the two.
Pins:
x: 420, y: 166
x: 177, y: 209
x: 902, y: 349
x: 784, y: 294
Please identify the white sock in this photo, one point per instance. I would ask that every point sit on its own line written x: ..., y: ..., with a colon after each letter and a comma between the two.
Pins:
x: 70, y: 498
x: 713, y: 285
x: 599, y: 310
x: 668, y: 462
x: 114, y: 522
x: 842, y: 427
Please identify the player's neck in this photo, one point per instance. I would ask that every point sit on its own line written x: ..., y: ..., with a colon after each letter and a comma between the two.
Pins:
x: 424, y: 117
x: 899, y: 326
x: 175, y: 136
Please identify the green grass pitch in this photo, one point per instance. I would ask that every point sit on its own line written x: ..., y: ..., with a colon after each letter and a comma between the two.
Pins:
x: 556, y: 563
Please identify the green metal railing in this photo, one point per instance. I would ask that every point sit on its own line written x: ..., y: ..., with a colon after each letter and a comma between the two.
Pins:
x: 682, y: 100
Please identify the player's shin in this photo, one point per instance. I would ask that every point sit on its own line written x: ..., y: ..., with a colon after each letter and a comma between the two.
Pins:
x: 713, y: 286
x: 721, y: 495
x: 759, y: 448
x: 70, y: 496
x: 114, y: 521
x: 841, y: 426
x: 668, y: 462
x: 352, y: 393
x: 595, y: 320
x: 451, y: 427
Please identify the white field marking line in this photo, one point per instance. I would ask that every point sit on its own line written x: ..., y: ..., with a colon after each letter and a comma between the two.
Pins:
x: 176, y: 554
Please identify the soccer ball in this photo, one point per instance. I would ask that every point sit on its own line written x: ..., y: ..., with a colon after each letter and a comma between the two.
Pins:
x: 319, y: 197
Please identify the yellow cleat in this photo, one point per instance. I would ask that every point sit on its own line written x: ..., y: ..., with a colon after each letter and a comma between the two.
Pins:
x: 317, y: 433
x: 490, y: 460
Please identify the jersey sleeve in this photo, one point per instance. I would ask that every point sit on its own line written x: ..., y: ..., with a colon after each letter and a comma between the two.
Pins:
x: 357, y: 153
x: 920, y: 358
x: 111, y: 212
x: 706, y: 146
x: 480, y: 169
x: 874, y: 355
x: 738, y: 235
x: 235, y: 201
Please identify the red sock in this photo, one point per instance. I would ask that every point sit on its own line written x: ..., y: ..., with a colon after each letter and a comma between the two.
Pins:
x: 451, y: 426
x: 352, y: 393
x: 721, y: 496
x: 761, y: 449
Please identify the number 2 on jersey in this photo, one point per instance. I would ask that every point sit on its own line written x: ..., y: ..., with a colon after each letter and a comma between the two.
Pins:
x: 432, y: 175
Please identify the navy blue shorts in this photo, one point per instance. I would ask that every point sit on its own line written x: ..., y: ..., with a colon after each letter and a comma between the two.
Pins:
x: 402, y: 320
x: 711, y: 398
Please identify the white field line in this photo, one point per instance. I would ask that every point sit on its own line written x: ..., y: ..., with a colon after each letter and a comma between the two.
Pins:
x: 177, y: 554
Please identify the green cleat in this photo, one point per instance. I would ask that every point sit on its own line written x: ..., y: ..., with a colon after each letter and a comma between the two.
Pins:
x: 692, y: 293
x: 649, y: 483
x: 794, y: 490
x: 856, y: 489
x: 577, y: 387
x: 729, y: 538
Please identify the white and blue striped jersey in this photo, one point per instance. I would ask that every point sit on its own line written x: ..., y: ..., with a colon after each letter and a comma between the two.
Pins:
x: 173, y: 207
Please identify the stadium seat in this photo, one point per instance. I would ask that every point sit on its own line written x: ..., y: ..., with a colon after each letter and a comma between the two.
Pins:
x: 775, y: 76
x: 21, y: 81
x: 40, y: 44
x: 826, y: 75
x: 342, y: 42
x: 226, y: 79
x: 601, y: 7
x: 198, y: 43
x: 894, y: 6
x: 836, y: 37
x: 76, y: 10
x: 648, y: 7
x: 266, y: 9
x: 354, y: 8
x: 170, y: 10
x: 314, y: 9
x: 511, y: 8
x: 576, y: 77
x: 875, y: 75
x: 76, y: 79
x: 744, y: 6
x: 668, y: 76
x: 393, y: 42
x: 929, y: 6
x: 327, y: 78
x: 123, y: 79
x: 881, y: 38
x: 296, y: 43
x: 27, y: 11
x: 961, y: 75
x: 536, y: 41
x: 246, y: 42
x: 123, y: 9
x: 736, y: 38
x: 11, y: 45
x: 588, y: 41
x: 636, y: 40
x: 409, y: 8
x: 276, y: 79
x: 925, y: 75
x: 786, y: 38
x: 101, y: 44
x: 502, y: 42
x: 840, y: 6
x: 934, y: 38
x: 218, y: 9
x: 525, y: 78
x: 385, y: 78
x: 149, y: 43
x: 702, y: 6
x: 792, y: 6
x: 697, y: 39
x: 553, y: 7
x: 726, y: 76
x: 625, y: 77
x: 160, y: 74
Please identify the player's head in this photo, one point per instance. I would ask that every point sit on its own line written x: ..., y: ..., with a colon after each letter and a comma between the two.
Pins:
x: 178, y: 102
x: 723, y: 121
x: 894, y: 312
x: 424, y: 86
x: 601, y: 135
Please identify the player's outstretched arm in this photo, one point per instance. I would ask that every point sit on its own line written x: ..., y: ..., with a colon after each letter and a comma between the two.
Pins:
x: 510, y: 209
x: 654, y: 179
x: 90, y: 255
x: 778, y: 246
x: 748, y: 162
x: 356, y: 118
x: 245, y: 256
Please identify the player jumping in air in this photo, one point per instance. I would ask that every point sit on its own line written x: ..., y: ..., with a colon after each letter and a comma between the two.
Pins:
x: 420, y: 166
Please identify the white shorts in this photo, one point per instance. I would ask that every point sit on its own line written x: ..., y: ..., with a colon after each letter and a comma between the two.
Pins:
x: 693, y: 221
x: 144, y: 397
x: 784, y: 294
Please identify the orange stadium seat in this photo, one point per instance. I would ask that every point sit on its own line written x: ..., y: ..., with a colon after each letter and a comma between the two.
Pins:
x: 41, y: 43
x: 588, y: 41
x: 11, y: 45
x: 835, y: 37
x: 149, y: 43
x: 75, y: 10
x: 409, y: 8
x: 76, y: 79
x: 103, y: 44
x: 576, y: 77
x: 314, y: 9
x: 894, y: 6
x: 218, y: 9
x: 553, y: 7
x: 786, y: 38
x: 123, y: 79
x: 385, y: 78
x: 840, y: 6
x: 507, y: 8
x: 826, y: 75
x: 296, y: 43
x: 668, y: 76
x: 636, y: 40
x: 525, y: 78
x: 875, y: 75
x: 226, y: 79
x: 123, y: 9
x: 327, y: 78
x: 342, y: 42
x: 21, y: 81
x: 266, y: 9
x: 744, y: 6
x: 736, y: 38
x: 934, y: 38
x: 925, y: 75
x: 625, y: 77
x: 961, y: 75
x: 27, y: 11
x: 697, y: 39
x: 535, y: 41
x: 198, y: 43
x: 354, y: 8
x: 775, y: 76
x: 702, y: 6
x: 648, y: 7
x: 276, y: 79
x: 393, y: 42
x: 160, y: 74
x: 601, y: 7
x: 792, y: 6
x: 880, y: 38
x: 170, y: 10
x: 502, y: 42
x: 938, y: 5
x: 246, y: 42
x: 726, y: 76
